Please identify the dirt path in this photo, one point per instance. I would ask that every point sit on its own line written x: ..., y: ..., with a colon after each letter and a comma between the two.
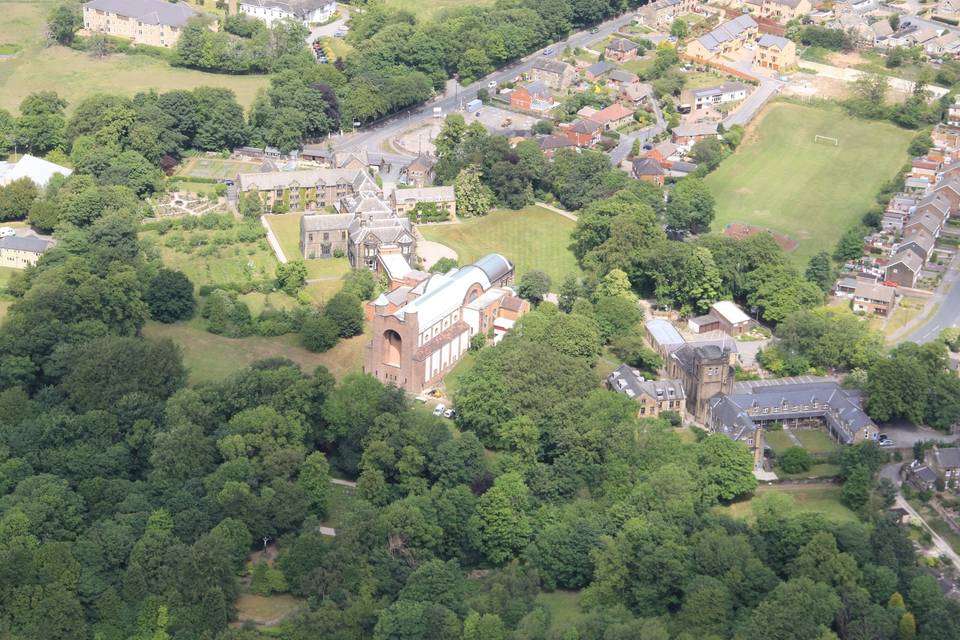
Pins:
x: 563, y: 212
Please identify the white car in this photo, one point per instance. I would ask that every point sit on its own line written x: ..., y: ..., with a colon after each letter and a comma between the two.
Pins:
x: 887, y: 443
x: 6, y: 232
x: 438, y: 410
x: 450, y: 413
x: 492, y: 84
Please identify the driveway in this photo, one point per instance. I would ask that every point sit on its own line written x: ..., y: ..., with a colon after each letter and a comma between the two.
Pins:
x: 430, y: 252
x: 905, y: 434
x: 327, y: 30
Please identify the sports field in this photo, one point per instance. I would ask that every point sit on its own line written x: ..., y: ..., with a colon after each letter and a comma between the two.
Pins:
x: 216, y: 168
x: 75, y: 75
x: 531, y: 238
x: 779, y: 178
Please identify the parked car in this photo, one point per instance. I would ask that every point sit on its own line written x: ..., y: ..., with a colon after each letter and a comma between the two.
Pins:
x: 548, y: 51
x: 595, y: 30
x: 6, y: 232
x: 887, y: 443
x: 882, y: 436
x: 438, y: 410
x: 492, y: 84
x: 450, y: 413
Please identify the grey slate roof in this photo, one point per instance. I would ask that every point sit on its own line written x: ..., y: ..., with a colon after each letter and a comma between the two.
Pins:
x: 948, y: 458
x: 551, y: 66
x: 296, y: 7
x: 647, y: 167
x: 695, y: 129
x: 630, y: 383
x: 720, y: 89
x: 621, y: 45
x: 842, y: 410
x: 555, y: 142
x: 600, y: 68
x: 147, y: 11
x: 31, y: 244
x: 619, y: 75
x: 726, y: 32
x: 909, y: 259
x: 769, y: 40
x: 327, y: 221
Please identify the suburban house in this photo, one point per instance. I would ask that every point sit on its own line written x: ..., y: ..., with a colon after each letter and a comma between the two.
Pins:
x: 724, y: 316
x: 873, y: 298
x: 418, y: 173
x: 664, y: 12
x: 598, y: 69
x: 306, y: 12
x: 584, y: 133
x: 404, y: 200
x: 720, y: 94
x: 420, y: 333
x: 653, y: 396
x: 156, y: 23
x: 37, y: 169
x: 782, y: 11
x: 946, y: 464
x: 305, y: 189
x: 619, y: 77
x: 620, y: 50
x: 947, y: 11
x: 533, y: 96
x: 920, y: 242
x: 921, y: 476
x: 904, y: 269
x: 613, y: 117
x: 648, y: 170
x: 728, y: 37
x: 775, y: 52
x: 636, y: 92
x: 664, y: 152
x: 20, y: 252
x: 551, y: 143
x: 743, y: 412
x: 553, y: 73
x: 688, y: 134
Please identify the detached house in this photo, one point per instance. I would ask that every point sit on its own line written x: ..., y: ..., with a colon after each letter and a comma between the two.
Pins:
x: 946, y: 464
x: 873, y: 299
x: 151, y: 22
x: 419, y: 172
x: 653, y: 396
x: 720, y: 94
x: 649, y: 170
x: 613, y: 117
x: 621, y: 50
x: 553, y: 73
x: 584, y: 133
x: 775, y: 52
x: 664, y: 12
x: 691, y: 133
x: 533, y: 96
x: 782, y: 11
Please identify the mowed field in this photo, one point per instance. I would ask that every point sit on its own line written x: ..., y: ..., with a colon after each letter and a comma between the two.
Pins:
x: 75, y: 75
x: 779, y: 178
x: 426, y: 10
x: 531, y: 238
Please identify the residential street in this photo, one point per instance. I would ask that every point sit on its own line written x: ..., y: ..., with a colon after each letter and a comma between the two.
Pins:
x: 619, y: 153
x: 947, y: 314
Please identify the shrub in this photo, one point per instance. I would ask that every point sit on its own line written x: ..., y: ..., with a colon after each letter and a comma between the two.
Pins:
x: 319, y: 333
x: 345, y: 310
x: 796, y: 460
x: 673, y: 417
x: 170, y: 296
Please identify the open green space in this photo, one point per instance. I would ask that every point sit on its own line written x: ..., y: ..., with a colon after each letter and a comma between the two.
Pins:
x: 210, y: 357
x: 815, y: 498
x: 564, y: 609
x: 211, y: 264
x: 451, y: 381
x: 340, y: 503
x: 531, y: 238
x: 825, y: 470
x: 287, y: 229
x: 203, y: 166
x: 266, y: 610
x: 640, y: 65
x: 75, y: 75
x: 816, y: 441
x: 778, y: 441
x: 780, y: 179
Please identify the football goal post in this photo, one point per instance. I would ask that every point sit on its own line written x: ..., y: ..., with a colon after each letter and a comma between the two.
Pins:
x: 826, y: 140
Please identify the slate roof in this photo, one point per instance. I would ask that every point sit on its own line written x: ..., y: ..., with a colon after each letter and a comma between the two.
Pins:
x: 720, y: 89
x: 948, y: 458
x: 647, y: 167
x: 426, y: 194
x: 925, y: 474
x: 637, y: 90
x: 730, y: 414
x: 874, y: 291
x: 327, y: 221
x: 555, y: 142
x: 768, y: 40
x: 620, y: 75
x: 296, y: 7
x: 909, y: 259
x: 551, y: 66
x: 726, y: 32
x: 358, y: 178
x: 695, y: 129
x: 147, y: 11
x: 600, y: 68
x: 688, y: 355
x: 31, y: 244
x: 621, y: 45
x: 585, y: 126
x: 629, y: 382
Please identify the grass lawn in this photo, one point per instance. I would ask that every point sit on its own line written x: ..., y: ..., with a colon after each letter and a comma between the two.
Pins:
x: 5, y: 274
x: 701, y: 79
x: 824, y: 470
x: 906, y: 310
x: 780, y: 179
x: 816, y: 441
x: 232, y: 263
x: 778, y: 441
x: 204, y: 167
x: 426, y: 10
x: 200, y: 188
x: 531, y: 238
x: 640, y: 65
x: 340, y: 503
x: 451, y: 381
x: 686, y: 435
x: 264, y: 609
x: 76, y: 75
x: 809, y: 498
x: 287, y: 229
x: 210, y: 358
x: 564, y: 608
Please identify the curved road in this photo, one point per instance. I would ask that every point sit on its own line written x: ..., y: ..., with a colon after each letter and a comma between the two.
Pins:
x: 947, y: 314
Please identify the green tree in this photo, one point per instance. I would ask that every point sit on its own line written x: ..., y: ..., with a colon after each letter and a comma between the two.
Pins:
x: 726, y: 467
x: 345, y: 310
x: 170, y: 296
x: 501, y: 526
x: 292, y: 276
x: 796, y: 460
x: 444, y: 265
x: 616, y: 316
x: 314, y: 479
x: 570, y: 290
x: 856, y: 489
x: 679, y: 28
x: 534, y: 285
x: 796, y: 610
x: 908, y: 627
x: 897, y: 388
x: 16, y: 199
x: 63, y: 22
x: 487, y: 626
x: 473, y: 198
x: 820, y: 271
x: 691, y: 206
x: 850, y: 245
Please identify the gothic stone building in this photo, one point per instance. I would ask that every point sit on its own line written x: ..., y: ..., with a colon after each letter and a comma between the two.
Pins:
x: 306, y: 189
x: 421, y: 332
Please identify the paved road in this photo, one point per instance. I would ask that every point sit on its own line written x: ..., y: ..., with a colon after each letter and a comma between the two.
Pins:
x: 327, y: 30
x: 372, y: 136
x: 947, y: 314
x: 619, y: 153
x: 743, y: 114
